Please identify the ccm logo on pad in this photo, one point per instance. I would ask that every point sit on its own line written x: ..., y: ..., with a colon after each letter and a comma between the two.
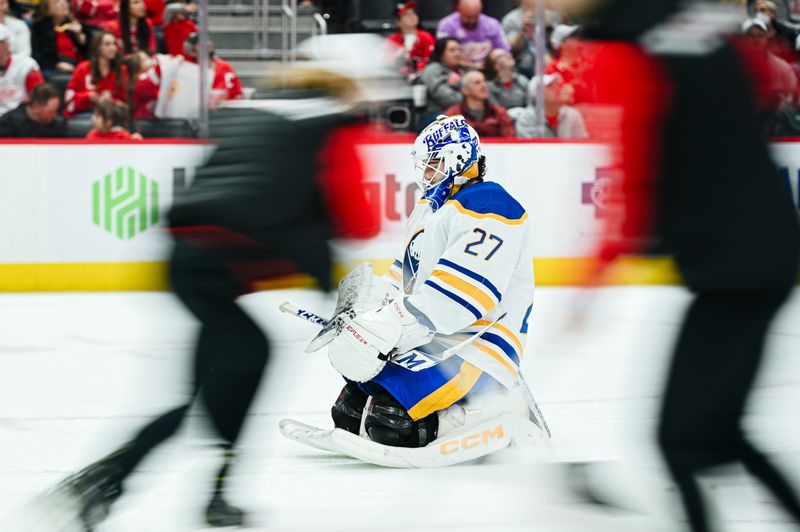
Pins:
x: 471, y: 441
x: 356, y: 335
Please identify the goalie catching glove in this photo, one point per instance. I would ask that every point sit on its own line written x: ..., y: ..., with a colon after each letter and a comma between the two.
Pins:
x: 361, y: 349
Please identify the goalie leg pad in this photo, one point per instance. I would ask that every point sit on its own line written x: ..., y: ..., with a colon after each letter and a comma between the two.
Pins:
x: 388, y: 423
x: 349, y: 408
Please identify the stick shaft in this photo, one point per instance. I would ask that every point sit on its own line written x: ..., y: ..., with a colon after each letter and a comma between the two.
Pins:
x: 303, y: 314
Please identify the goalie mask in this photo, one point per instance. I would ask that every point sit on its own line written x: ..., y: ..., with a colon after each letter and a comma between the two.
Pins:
x: 446, y: 154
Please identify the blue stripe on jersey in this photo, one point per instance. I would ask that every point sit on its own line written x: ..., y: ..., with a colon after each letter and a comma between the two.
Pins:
x: 469, y: 273
x: 455, y: 298
x: 500, y: 342
x: 398, y: 264
x: 489, y: 197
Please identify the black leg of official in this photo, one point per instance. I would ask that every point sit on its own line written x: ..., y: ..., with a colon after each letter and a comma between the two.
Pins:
x: 714, y: 365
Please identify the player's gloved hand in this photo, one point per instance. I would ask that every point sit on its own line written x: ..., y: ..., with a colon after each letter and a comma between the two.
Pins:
x: 360, y: 351
x: 413, y: 333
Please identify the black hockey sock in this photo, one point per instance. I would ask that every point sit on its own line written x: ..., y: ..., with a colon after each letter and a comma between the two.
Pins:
x: 222, y: 475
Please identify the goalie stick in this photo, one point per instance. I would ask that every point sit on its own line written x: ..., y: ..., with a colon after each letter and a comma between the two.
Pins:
x: 519, y: 380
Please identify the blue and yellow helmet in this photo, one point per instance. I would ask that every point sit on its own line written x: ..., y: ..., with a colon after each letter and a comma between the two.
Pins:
x: 446, y: 155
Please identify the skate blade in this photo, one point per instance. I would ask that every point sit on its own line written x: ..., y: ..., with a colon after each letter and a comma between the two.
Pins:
x: 55, y: 511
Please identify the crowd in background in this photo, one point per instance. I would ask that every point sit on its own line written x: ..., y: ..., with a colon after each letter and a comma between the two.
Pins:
x: 94, y: 61
x: 107, y: 51
x: 484, y: 68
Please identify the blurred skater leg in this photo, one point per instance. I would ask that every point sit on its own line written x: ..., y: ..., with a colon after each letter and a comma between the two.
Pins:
x: 715, y: 362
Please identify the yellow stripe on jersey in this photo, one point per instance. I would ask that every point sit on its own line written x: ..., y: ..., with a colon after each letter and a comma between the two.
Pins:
x: 467, y: 288
x: 394, y: 275
x: 480, y: 215
x: 504, y: 329
x: 449, y: 393
x: 497, y: 356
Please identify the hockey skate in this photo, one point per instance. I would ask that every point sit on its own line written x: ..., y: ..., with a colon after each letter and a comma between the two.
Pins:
x: 221, y: 514
x: 77, y: 504
x: 218, y: 512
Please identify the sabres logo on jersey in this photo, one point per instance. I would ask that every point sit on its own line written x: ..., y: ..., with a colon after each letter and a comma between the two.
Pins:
x: 411, y: 259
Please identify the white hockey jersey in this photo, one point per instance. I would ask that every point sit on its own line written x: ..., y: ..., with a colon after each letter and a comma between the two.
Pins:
x: 466, y: 264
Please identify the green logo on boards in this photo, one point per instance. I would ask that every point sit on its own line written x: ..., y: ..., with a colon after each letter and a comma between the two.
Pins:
x: 125, y: 203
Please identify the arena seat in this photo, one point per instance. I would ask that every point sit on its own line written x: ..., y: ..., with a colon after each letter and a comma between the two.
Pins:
x: 431, y: 11
x: 165, y: 128
x: 375, y: 16
x: 498, y: 8
x: 77, y: 128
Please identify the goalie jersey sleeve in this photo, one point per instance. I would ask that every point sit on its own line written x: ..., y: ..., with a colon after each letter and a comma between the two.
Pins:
x: 473, y: 251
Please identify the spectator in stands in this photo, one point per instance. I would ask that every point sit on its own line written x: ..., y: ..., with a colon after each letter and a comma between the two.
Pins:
x: 506, y: 87
x: 109, y: 122
x: 477, y: 33
x: 132, y: 29
x: 178, y: 26
x: 18, y: 74
x: 147, y: 75
x: 518, y: 26
x: 778, y: 82
x: 414, y: 46
x: 20, y: 40
x: 488, y: 119
x: 37, y: 118
x: 442, y: 78
x: 95, y: 15
x: 561, y: 121
x: 102, y: 77
x: 570, y: 65
x: 782, y: 35
x: 226, y: 84
x: 59, y: 42
x: 782, y: 9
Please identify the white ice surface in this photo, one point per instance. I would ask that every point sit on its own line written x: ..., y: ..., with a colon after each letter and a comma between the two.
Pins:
x: 80, y: 372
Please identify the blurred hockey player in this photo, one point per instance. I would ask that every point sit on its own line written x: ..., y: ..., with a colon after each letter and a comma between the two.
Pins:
x: 265, y: 205
x: 465, y: 273
x: 697, y: 180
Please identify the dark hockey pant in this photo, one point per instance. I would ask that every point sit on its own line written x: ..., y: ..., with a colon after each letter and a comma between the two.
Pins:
x: 715, y: 362
x: 230, y: 355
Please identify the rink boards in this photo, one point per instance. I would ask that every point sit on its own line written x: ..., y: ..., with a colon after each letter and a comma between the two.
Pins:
x: 80, y: 216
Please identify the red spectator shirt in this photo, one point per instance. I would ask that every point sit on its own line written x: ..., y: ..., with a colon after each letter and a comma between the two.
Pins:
x: 495, y: 121
x: 575, y: 77
x: 155, y: 12
x: 65, y: 47
x: 81, y: 86
x: 175, y: 34
x: 145, y: 93
x: 116, y: 29
x: 148, y: 84
x: 225, y: 78
x: 96, y: 13
x: 113, y: 134
x: 421, y: 51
